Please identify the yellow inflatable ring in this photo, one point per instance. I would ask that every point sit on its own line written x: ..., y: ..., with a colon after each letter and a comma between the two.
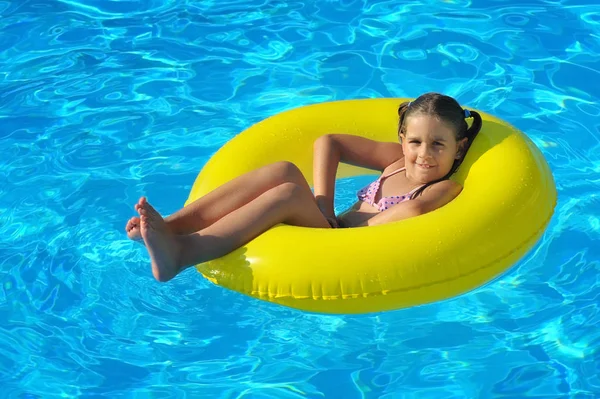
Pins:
x: 506, y: 203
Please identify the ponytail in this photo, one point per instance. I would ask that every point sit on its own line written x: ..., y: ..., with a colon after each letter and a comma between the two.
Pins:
x: 473, y: 130
x: 401, y: 116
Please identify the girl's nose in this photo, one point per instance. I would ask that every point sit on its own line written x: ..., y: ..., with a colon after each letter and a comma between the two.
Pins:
x: 424, y: 151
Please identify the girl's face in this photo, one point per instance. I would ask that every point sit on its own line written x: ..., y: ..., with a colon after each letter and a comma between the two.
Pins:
x: 430, y: 148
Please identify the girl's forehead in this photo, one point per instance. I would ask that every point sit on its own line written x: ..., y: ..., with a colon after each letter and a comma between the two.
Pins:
x: 427, y: 126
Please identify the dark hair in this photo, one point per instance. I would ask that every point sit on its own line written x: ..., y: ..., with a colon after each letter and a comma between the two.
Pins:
x: 448, y: 110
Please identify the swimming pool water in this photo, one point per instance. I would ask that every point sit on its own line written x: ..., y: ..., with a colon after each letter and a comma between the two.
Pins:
x: 104, y: 101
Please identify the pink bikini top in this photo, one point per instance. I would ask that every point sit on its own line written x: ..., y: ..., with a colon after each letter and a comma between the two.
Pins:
x: 369, y: 193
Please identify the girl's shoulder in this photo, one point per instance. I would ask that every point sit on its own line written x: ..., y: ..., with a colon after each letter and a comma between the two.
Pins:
x: 438, y: 194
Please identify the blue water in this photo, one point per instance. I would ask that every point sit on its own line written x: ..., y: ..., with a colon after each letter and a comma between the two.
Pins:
x: 104, y: 101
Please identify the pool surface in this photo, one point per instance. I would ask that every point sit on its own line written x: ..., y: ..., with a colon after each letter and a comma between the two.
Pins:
x: 104, y: 101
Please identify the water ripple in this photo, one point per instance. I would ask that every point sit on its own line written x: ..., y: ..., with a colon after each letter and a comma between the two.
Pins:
x: 101, y: 102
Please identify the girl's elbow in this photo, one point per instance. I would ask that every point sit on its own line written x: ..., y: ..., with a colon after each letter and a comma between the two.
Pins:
x: 323, y: 141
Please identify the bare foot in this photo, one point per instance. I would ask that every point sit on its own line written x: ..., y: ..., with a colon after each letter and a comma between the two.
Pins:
x: 163, y: 248
x: 133, y: 225
x: 133, y: 229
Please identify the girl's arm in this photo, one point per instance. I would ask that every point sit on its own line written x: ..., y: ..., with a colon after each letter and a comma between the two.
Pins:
x: 331, y: 149
x: 434, y: 197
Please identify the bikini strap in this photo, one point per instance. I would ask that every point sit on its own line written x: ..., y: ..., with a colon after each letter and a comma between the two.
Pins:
x: 393, y: 173
x: 411, y: 192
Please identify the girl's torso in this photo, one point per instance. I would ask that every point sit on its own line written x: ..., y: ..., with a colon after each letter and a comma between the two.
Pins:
x: 392, y: 189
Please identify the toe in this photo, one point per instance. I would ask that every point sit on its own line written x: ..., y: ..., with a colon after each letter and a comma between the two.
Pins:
x: 146, y: 222
x: 151, y: 211
x: 140, y: 203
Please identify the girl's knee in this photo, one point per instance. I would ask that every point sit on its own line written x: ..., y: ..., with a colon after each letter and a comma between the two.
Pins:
x: 285, y: 171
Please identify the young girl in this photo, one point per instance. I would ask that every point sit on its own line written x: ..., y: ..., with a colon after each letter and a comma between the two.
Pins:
x: 434, y: 138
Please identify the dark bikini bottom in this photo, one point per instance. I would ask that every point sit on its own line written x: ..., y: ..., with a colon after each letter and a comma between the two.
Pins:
x: 340, y: 225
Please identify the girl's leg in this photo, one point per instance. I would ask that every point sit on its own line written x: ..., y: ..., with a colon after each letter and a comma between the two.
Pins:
x: 170, y: 254
x: 223, y: 200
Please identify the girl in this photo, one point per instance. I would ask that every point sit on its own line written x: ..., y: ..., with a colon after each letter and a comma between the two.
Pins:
x: 433, y: 139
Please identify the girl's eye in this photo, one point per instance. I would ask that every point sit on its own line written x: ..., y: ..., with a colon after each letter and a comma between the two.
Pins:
x: 415, y: 142
x: 437, y: 143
